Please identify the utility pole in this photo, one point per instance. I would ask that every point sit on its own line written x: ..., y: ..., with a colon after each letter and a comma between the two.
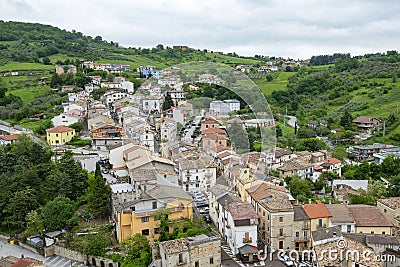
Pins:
x: 384, y: 127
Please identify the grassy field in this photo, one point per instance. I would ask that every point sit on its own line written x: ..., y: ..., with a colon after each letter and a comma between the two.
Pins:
x: 21, y: 66
x: 279, y: 83
x: 28, y: 94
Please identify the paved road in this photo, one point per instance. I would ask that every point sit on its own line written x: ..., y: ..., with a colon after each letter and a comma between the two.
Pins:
x: 292, y: 121
x: 17, y: 251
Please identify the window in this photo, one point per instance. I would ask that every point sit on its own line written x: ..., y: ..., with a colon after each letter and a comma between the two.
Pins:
x: 145, y: 219
x: 196, y: 264
x: 145, y: 232
x: 264, y: 214
x: 56, y: 134
x: 156, y: 230
x: 348, y: 228
x: 180, y: 258
x: 384, y: 210
x: 211, y: 260
x: 280, y: 244
x: 281, y: 219
x: 297, y: 234
x: 280, y: 231
x: 133, y: 208
x: 157, y: 217
x: 320, y: 222
x: 305, y: 235
x: 154, y: 204
x: 383, y: 232
x: 372, y: 232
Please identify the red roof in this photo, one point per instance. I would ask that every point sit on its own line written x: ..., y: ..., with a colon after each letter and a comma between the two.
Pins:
x: 59, y: 129
x: 10, y: 137
x: 213, y: 130
x: 209, y: 121
x: 332, y: 161
x: 318, y: 210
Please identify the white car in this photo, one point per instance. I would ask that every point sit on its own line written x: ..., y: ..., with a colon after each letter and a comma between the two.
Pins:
x: 287, y: 260
x: 204, y: 210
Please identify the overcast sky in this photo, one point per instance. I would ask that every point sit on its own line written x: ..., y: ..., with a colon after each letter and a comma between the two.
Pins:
x: 289, y: 28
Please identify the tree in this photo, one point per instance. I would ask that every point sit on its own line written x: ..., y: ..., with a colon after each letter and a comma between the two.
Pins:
x: 77, y: 126
x: 20, y: 205
x: 74, y: 183
x: 311, y: 144
x: 269, y: 78
x: 99, y: 194
x: 46, y: 61
x: 238, y: 136
x: 168, y: 102
x: 138, y: 252
x: 346, y: 120
x: 95, y: 244
x: 375, y: 190
x: 57, y: 213
x: 299, y: 188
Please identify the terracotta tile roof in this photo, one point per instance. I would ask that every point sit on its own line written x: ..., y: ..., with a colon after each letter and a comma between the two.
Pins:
x: 210, y: 121
x: 364, y: 119
x: 213, y: 136
x: 241, y: 211
x: 59, y: 129
x: 382, y: 239
x: 318, y: 210
x: 264, y: 190
x: 279, y: 152
x: 332, y: 161
x: 10, y: 137
x: 352, y: 245
x: 340, y: 213
x: 277, y: 201
x: 368, y: 216
x: 392, y: 202
x: 213, y: 130
x: 26, y: 262
x: 294, y: 165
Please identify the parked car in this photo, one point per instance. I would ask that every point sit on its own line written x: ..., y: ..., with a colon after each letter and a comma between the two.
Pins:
x: 207, y: 218
x: 287, y: 260
x: 105, y: 171
x: 204, y: 210
x: 201, y: 204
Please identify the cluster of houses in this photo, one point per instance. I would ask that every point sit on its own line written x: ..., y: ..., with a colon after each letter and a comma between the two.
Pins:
x: 156, y: 170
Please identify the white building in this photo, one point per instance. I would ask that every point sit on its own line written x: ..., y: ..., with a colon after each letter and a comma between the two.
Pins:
x: 112, y: 96
x: 71, y: 106
x: 168, y: 131
x: 111, y: 85
x: 177, y: 95
x: 225, y: 106
x: 237, y: 222
x: 64, y: 120
x: 341, y: 218
x: 152, y: 104
x: 148, y: 140
x: 197, y: 171
x: 128, y: 86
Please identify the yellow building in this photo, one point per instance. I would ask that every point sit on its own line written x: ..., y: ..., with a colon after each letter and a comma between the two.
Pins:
x: 319, y: 215
x: 369, y: 220
x: 59, y: 135
x: 139, y: 216
x: 244, y: 182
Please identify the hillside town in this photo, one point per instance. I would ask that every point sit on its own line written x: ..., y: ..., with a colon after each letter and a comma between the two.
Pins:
x: 165, y: 159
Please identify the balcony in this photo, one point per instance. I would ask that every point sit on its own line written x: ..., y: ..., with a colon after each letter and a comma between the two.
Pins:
x: 245, y: 241
x: 301, y: 239
x: 306, y: 226
x: 321, y: 226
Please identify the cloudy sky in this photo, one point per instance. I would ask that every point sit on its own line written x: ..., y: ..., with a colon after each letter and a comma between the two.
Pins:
x: 290, y: 28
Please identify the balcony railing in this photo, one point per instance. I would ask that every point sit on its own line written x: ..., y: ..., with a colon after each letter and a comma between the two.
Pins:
x: 319, y: 226
x: 250, y: 240
x: 306, y: 226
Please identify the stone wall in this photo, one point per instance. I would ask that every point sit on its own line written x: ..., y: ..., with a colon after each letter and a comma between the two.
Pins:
x: 4, y: 238
x: 80, y: 257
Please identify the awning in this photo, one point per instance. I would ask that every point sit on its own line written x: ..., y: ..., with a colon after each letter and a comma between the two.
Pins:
x: 248, y: 249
